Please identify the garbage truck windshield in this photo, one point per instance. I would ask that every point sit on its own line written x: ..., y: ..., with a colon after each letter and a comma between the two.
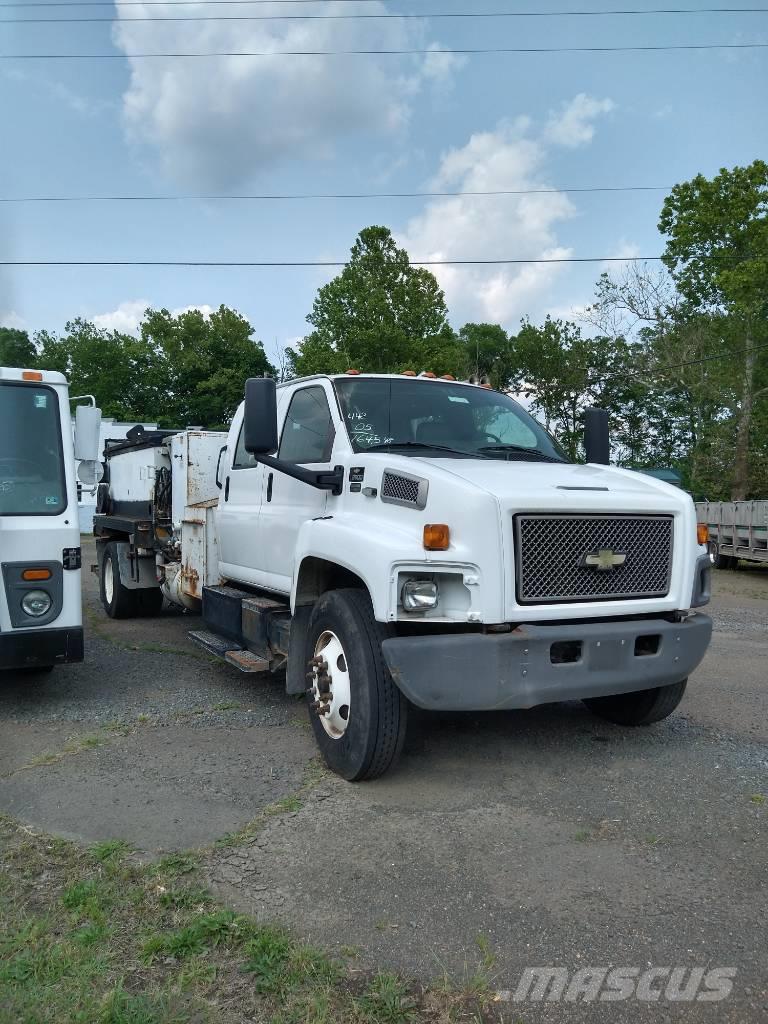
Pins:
x: 32, y: 479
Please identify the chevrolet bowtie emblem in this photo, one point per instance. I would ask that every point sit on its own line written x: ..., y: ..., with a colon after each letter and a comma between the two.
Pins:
x: 604, y: 560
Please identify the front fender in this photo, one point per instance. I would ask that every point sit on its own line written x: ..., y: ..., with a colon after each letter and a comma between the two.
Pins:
x: 351, y: 543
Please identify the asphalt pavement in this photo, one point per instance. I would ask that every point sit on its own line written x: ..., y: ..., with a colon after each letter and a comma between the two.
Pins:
x: 525, y: 839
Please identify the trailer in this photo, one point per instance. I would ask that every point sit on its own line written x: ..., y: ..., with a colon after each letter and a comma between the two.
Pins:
x: 738, y: 531
x: 391, y: 540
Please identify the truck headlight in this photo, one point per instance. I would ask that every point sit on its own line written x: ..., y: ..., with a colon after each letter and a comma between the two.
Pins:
x: 419, y: 595
x: 36, y: 603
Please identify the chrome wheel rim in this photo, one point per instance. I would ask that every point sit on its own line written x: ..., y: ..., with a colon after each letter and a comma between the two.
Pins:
x: 330, y: 692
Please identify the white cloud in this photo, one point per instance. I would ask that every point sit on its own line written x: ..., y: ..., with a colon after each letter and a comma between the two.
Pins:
x: 128, y: 315
x: 502, y: 227
x: 626, y: 252
x: 573, y: 125
x: 511, y: 157
x: 216, y: 121
x: 125, y: 318
x: 12, y: 319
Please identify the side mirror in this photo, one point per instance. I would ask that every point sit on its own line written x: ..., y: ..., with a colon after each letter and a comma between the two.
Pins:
x: 597, y: 442
x: 260, y: 416
x: 87, y: 433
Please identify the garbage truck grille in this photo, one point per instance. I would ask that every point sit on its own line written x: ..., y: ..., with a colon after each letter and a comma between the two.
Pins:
x: 564, y: 558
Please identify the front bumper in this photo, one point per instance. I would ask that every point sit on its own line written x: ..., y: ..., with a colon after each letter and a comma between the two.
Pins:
x: 31, y: 648
x: 482, y: 671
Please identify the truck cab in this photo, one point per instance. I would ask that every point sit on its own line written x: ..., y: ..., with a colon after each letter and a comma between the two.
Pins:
x: 40, y: 604
x: 395, y: 540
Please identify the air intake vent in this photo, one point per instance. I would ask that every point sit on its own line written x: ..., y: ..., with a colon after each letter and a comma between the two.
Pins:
x: 401, y: 489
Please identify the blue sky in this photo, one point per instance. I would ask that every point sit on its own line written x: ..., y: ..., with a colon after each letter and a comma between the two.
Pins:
x: 354, y: 124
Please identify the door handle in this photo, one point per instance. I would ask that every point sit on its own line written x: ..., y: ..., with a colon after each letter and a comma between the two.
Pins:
x: 226, y: 490
x: 269, y: 486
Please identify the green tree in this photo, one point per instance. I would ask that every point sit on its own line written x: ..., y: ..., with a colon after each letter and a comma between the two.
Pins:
x: 717, y: 253
x: 118, y: 369
x: 16, y: 348
x: 379, y: 315
x: 200, y: 364
x: 488, y: 352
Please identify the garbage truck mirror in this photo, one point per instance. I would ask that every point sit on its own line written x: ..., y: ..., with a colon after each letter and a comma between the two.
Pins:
x: 87, y: 433
x: 260, y: 416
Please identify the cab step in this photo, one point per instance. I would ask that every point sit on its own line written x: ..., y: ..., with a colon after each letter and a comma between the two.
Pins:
x: 246, y: 661
x: 215, y: 644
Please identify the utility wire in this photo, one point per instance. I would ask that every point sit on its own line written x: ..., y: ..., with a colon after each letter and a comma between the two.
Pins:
x: 343, y: 263
x: 674, y: 366
x: 389, y: 15
x: 272, y: 3
x: 386, y: 53
x: 300, y: 196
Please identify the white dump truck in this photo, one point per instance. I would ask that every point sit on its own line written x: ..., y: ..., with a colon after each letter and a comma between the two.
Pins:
x: 41, y: 623
x: 394, y: 540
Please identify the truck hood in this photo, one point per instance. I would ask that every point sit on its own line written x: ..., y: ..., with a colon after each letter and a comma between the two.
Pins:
x: 553, y: 485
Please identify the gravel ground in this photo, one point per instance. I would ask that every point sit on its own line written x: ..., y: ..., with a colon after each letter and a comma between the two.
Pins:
x: 520, y: 839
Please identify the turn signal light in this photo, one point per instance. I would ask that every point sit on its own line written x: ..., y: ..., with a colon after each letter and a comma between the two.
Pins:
x: 353, y: 373
x: 31, y: 375
x: 409, y: 373
x: 437, y: 537
x: 447, y: 376
x: 702, y: 533
x: 36, y: 574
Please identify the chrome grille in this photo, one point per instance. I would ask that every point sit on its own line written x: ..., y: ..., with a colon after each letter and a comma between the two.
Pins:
x: 551, y: 550
x: 398, y: 489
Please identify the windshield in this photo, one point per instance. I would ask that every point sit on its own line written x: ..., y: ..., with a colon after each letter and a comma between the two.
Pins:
x: 31, y: 460
x: 422, y: 414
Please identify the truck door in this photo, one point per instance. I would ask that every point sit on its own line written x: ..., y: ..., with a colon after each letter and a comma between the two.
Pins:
x: 239, y: 511
x: 306, y: 439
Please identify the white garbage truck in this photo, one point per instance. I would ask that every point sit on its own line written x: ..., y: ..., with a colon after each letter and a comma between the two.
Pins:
x: 41, y: 623
x: 399, y: 540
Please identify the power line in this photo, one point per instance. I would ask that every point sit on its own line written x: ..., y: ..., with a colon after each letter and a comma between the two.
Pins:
x: 389, y: 15
x: 271, y: 3
x: 343, y: 263
x: 675, y: 366
x: 386, y: 53
x: 301, y: 196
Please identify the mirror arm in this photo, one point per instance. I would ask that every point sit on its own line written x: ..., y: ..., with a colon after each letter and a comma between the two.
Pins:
x: 332, y: 481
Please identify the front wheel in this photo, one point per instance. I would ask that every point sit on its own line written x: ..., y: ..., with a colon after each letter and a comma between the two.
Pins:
x: 358, y: 715
x: 641, y: 708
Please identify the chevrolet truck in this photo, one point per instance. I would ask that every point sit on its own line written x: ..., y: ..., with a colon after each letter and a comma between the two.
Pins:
x: 398, y: 540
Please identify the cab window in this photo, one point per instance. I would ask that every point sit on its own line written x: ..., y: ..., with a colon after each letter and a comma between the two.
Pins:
x: 308, y: 430
x: 243, y: 459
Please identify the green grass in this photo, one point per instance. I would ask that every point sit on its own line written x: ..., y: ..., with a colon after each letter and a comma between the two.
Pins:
x: 95, y: 937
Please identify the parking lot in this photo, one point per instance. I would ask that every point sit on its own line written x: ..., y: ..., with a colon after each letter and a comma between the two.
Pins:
x: 547, y: 837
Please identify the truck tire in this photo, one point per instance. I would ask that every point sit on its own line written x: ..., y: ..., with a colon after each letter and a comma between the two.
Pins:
x: 643, y: 707
x: 119, y: 602
x: 720, y: 561
x: 358, y: 715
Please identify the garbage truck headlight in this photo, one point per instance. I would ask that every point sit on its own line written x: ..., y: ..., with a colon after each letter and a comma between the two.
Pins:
x: 419, y: 595
x: 36, y: 603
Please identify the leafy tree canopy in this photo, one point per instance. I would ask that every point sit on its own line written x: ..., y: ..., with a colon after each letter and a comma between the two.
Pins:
x: 200, y: 364
x: 16, y: 348
x: 379, y: 315
x: 181, y: 371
